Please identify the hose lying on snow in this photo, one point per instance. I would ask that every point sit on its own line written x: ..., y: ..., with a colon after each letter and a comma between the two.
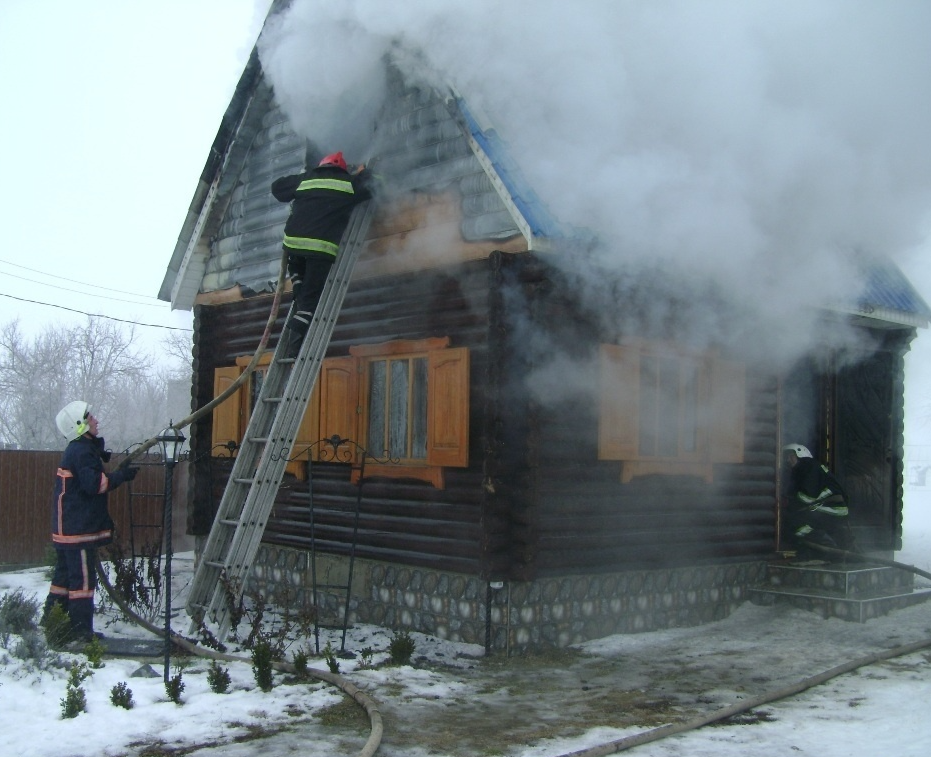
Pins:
x: 672, y: 729
x: 749, y: 704
x: 358, y: 696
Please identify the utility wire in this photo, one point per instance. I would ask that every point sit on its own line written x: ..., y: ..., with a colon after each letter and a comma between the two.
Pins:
x: 96, y: 315
x: 78, y: 291
x: 71, y: 279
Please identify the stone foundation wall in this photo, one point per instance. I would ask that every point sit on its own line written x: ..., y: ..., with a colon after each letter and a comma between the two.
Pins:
x: 512, y: 617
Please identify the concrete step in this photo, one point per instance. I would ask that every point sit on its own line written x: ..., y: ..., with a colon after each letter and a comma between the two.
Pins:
x: 848, y: 579
x: 836, y: 604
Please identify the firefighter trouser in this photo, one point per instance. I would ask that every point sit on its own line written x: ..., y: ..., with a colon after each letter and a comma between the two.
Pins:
x: 308, y: 274
x: 74, y: 581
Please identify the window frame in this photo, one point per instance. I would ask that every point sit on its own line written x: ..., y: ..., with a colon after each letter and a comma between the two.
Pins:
x: 719, y: 415
x: 339, y: 404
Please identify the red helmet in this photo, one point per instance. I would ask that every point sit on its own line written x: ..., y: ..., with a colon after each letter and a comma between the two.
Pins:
x: 336, y: 159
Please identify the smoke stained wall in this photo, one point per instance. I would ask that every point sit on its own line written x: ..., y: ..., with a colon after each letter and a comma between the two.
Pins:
x: 756, y: 148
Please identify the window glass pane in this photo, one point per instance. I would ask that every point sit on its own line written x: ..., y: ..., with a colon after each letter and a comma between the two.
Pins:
x: 668, y: 411
x: 419, y: 410
x: 398, y: 408
x: 377, y: 392
x: 648, y: 404
x: 689, y: 406
x: 257, y: 378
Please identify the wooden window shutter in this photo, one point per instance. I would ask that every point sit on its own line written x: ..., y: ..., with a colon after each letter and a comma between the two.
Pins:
x: 448, y: 407
x: 618, y: 421
x: 227, y: 416
x: 728, y: 408
x: 309, y: 430
x: 339, y: 399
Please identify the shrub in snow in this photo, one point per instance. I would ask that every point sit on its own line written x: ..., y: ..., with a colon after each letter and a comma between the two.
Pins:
x: 401, y: 648
x: 122, y: 696
x: 262, y: 663
x: 218, y: 677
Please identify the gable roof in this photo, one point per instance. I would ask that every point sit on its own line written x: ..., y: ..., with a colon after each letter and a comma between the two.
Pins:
x: 427, y: 141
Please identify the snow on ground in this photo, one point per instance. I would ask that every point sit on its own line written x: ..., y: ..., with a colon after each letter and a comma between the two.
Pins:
x: 877, y: 709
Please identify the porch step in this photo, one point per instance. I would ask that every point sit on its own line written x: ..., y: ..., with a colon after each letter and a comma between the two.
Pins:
x: 851, y: 591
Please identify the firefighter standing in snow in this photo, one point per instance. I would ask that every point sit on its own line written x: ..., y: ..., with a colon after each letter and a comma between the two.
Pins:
x: 817, y: 509
x: 80, y: 519
x: 322, y: 202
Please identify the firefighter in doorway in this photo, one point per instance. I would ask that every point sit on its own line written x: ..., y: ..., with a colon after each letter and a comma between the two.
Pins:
x: 817, y: 504
x: 80, y: 518
x: 322, y: 201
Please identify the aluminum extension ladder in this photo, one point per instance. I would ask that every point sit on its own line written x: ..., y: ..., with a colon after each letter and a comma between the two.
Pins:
x: 259, y: 467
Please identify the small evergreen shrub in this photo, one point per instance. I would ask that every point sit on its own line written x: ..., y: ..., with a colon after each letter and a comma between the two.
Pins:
x: 300, y: 663
x: 218, y: 677
x: 262, y: 663
x: 94, y: 651
x: 401, y: 648
x: 331, y: 662
x: 75, y: 701
x: 122, y: 696
x: 365, y: 657
x: 57, y: 627
x: 174, y: 687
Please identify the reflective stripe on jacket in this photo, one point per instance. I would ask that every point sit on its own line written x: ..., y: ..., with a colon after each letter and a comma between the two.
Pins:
x: 79, y: 505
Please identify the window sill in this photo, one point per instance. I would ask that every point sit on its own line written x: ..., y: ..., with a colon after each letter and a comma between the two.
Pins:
x: 630, y: 469
x: 430, y: 474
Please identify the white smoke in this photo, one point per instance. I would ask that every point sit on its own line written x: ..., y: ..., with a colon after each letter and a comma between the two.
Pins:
x: 759, y: 144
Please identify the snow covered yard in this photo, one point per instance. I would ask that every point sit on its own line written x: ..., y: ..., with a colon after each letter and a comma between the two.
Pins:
x: 451, y: 701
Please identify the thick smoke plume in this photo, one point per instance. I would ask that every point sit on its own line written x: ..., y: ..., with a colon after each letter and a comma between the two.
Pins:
x: 760, y: 145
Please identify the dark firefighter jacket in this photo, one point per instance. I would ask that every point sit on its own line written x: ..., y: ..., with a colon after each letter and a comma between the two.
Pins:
x: 812, y: 483
x: 80, y: 518
x: 322, y: 201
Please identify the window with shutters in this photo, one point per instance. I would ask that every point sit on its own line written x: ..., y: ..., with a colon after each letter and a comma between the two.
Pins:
x: 665, y: 410
x: 231, y: 417
x: 405, y: 402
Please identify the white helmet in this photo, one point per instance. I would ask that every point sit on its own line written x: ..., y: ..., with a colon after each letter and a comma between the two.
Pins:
x: 799, y: 450
x: 72, y: 420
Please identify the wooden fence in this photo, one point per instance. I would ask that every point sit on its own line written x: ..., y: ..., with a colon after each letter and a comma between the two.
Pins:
x: 26, y: 482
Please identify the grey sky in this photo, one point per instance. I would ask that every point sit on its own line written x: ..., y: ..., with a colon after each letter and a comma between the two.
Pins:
x: 110, y: 108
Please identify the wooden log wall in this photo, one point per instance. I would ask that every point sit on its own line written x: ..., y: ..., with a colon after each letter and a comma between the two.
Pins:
x: 581, y: 518
x: 400, y: 520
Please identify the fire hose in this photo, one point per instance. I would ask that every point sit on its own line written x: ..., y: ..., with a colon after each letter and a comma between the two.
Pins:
x: 356, y: 694
x: 240, y: 380
x: 673, y: 729
x: 351, y: 690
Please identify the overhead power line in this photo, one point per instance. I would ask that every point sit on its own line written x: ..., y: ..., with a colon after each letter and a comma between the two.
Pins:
x: 70, y: 279
x: 96, y: 315
x: 96, y: 296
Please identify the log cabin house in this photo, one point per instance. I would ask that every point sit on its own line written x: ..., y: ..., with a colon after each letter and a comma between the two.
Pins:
x: 546, y: 462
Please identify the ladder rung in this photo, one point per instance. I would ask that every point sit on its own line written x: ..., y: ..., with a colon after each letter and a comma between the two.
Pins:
x: 259, y: 439
x: 244, y: 480
x: 215, y: 564
x: 229, y: 522
x: 271, y: 399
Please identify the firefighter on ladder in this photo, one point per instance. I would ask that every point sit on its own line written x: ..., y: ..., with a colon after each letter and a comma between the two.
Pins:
x: 322, y: 201
x: 817, y: 504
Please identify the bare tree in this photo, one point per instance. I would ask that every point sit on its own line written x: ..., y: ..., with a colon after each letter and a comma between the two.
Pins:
x: 96, y: 362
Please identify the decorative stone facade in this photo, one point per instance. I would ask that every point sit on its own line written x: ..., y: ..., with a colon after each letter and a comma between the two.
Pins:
x: 513, y: 617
